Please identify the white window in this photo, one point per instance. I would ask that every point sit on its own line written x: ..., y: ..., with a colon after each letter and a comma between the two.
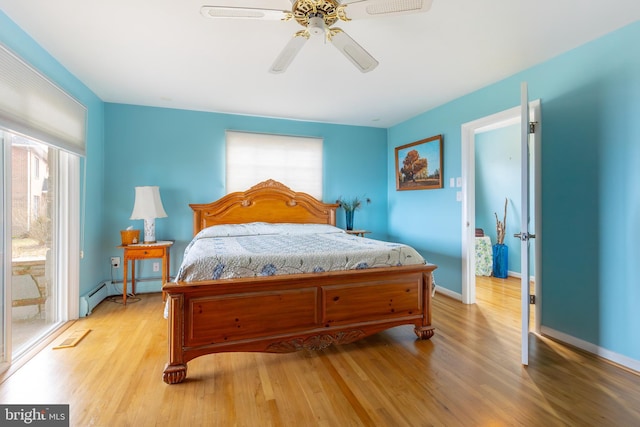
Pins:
x: 254, y: 157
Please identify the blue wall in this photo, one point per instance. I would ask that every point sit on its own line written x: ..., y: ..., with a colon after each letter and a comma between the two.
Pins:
x: 497, y: 163
x: 93, y: 267
x: 183, y: 152
x: 590, y: 187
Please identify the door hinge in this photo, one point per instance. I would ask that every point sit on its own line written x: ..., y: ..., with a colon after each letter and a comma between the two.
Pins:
x: 532, y: 299
x: 532, y: 127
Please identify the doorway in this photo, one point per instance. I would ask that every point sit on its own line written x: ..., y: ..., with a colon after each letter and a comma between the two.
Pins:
x: 469, y: 136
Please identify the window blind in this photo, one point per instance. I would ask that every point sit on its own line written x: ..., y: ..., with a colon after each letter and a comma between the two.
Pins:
x: 294, y: 161
x: 30, y: 104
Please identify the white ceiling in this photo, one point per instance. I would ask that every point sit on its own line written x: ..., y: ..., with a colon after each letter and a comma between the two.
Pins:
x: 164, y: 53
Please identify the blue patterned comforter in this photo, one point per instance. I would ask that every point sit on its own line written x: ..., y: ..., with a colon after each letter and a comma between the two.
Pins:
x: 263, y: 249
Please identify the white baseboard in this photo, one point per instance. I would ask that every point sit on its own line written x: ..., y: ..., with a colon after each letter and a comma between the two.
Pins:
x: 518, y: 275
x: 449, y: 293
x: 612, y: 356
x: 113, y: 288
x: 617, y: 358
x: 143, y: 286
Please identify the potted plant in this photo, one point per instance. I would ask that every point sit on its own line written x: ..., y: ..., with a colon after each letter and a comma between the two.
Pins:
x: 350, y: 206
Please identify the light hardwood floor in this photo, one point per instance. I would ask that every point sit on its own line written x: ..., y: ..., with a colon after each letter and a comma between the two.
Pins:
x: 468, y: 374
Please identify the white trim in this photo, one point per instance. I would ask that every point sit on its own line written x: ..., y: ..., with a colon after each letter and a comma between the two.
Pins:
x: 498, y: 125
x: 525, y: 306
x: 151, y: 285
x: 449, y: 293
x: 494, y: 121
x: 618, y: 358
x: 535, y: 114
x: 468, y: 132
x: 5, y: 253
x: 469, y: 205
x: 83, y: 209
x: 70, y: 294
x: 518, y: 275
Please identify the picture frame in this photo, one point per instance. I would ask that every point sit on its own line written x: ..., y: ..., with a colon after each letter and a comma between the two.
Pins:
x: 419, y: 165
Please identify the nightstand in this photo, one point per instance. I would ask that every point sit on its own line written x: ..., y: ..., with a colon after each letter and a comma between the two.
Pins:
x: 360, y: 233
x: 159, y: 249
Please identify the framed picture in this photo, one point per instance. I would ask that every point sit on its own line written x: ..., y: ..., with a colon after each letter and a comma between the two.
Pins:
x: 419, y: 164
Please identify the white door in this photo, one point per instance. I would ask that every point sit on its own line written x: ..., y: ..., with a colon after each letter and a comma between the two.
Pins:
x: 524, y: 235
x: 533, y: 156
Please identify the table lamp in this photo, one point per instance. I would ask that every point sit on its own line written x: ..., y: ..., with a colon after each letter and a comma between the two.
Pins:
x: 148, y: 207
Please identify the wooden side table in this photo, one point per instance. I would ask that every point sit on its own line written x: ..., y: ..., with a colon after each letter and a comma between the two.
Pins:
x: 159, y: 249
x: 360, y: 233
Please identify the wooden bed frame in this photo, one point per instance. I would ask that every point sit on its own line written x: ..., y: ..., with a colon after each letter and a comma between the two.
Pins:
x: 291, y: 312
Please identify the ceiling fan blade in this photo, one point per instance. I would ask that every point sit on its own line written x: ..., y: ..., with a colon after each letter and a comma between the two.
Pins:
x: 289, y: 52
x: 352, y: 50
x: 242, y: 12
x: 373, y: 8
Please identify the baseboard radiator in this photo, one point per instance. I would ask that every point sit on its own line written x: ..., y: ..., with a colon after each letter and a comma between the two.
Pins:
x: 90, y: 300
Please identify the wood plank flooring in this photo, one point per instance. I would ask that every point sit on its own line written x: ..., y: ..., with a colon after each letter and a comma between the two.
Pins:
x: 468, y: 374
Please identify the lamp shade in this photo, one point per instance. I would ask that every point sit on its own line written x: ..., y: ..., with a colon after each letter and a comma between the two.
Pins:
x: 148, y: 203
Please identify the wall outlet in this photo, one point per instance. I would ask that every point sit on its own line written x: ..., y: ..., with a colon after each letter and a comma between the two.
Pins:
x: 156, y: 266
x: 115, y: 261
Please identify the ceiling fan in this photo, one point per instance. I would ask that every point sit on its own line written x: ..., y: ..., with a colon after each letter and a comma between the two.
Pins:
x: 317, y: 18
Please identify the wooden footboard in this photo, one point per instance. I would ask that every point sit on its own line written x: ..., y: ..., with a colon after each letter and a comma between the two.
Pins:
x: 288, y: 313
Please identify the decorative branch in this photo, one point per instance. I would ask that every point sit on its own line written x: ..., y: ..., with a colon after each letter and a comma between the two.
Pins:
x: 501, y: 226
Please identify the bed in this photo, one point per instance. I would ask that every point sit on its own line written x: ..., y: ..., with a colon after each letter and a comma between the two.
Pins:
x: 284, y: 307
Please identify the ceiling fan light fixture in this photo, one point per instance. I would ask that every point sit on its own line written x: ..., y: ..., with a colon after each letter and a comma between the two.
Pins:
x: 317, y: 17
x: 316, y: 25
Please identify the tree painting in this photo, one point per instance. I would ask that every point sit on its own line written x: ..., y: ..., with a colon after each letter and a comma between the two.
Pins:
x: 414, y: 167
x: 421, y: 166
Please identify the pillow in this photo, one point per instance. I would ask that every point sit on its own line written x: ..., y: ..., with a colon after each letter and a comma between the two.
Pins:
x: 234, y: 230
x: 289, y: 229
x: 264, y: 228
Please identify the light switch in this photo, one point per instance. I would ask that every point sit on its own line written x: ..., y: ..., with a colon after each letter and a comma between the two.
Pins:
x: 459, y: 182
x: 452, y: 182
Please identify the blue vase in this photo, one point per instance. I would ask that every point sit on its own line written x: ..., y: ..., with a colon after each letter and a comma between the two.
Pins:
x: 500, y: 261
x: 349, y: 218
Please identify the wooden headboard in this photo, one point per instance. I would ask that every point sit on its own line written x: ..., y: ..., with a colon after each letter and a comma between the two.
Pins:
x: 268, y: 201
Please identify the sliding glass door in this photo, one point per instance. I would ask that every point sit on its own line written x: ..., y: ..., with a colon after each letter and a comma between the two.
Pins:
x: 5, y: 316
x: 32, y: 240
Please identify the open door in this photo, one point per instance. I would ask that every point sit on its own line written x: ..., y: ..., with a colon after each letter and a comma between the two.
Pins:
x: 524, y: 235
x: 527, y: 113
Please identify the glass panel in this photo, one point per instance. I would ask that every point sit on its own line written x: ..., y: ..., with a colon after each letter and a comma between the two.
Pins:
x: 33, y: 276
x: 4, y: 359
